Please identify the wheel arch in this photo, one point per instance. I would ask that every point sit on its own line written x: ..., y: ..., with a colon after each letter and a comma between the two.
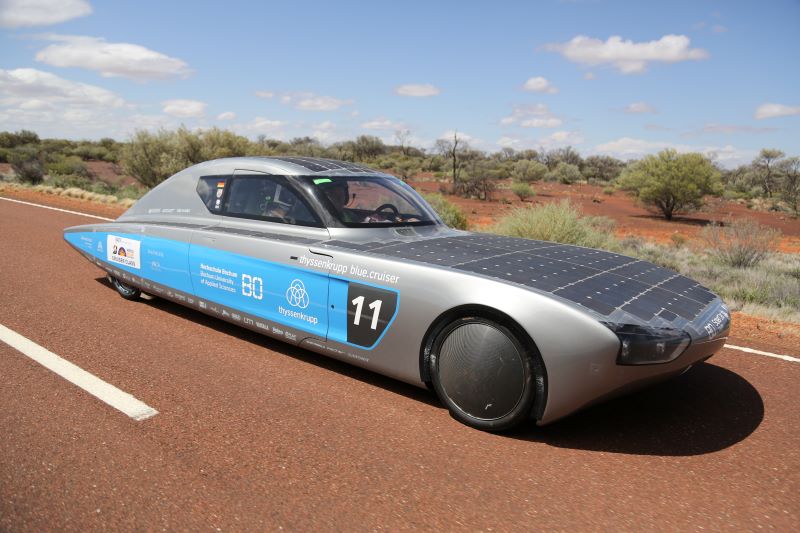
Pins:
x: 491, y: 313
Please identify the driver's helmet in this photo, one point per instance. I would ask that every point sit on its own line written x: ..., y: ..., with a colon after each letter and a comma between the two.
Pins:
x: 329, y: 184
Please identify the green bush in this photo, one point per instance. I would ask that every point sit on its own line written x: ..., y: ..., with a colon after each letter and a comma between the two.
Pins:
x: 67, y: 165
x: 450, y: 213
x: 522, y: 190
x: 527, y: 171
x: 558, y: 222
x: 28, y: 163
x: 740, y: 243
x: 564, y: 173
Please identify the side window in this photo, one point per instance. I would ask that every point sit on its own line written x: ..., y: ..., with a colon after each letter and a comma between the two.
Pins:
x: 211, y: 190
x: 267, y: 198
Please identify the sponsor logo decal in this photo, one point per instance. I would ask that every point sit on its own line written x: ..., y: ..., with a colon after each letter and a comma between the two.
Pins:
x: 296, y: 294
x: 123, y: 251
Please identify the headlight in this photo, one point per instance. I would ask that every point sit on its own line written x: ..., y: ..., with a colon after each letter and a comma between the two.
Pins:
x: 642, y: 345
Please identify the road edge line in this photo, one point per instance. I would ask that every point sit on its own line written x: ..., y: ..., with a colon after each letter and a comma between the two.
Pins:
x: 56, y: 209
x: 767, y: 354
x: 103, y: 391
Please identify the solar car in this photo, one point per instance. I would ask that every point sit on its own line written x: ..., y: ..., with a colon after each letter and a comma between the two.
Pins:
x: 352, y: 263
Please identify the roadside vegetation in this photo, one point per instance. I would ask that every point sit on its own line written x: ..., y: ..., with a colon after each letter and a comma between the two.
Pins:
x: 669, y: 183
x: 737, y: 260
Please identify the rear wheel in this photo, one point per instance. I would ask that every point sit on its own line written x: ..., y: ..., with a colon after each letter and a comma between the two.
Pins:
x: 483, y: 374
x: 126, y: 291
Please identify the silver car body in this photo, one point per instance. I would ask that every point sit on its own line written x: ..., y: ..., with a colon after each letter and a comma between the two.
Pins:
x: 298, y: 284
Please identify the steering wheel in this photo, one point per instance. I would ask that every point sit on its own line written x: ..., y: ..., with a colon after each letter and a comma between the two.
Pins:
x: 391, y: 207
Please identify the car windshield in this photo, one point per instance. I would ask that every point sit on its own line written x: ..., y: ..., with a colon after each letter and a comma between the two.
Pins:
x: 370, y: 201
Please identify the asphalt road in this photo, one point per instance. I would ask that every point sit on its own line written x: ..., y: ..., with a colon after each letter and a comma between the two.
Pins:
x: 254, y: 434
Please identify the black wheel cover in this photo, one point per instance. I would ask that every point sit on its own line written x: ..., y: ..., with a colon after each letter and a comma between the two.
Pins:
x: 483, y: 374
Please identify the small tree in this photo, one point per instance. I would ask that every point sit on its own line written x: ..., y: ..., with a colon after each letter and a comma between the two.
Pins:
x: 527, y: 171
x: 790, y: 184
x: 764, y: 169
x: 454, y: 151
x: 602, y: 167
x: 671, y: 182
x: 564, y: 173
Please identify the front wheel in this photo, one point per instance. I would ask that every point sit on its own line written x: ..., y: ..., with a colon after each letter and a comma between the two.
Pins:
x: 126, y: 291
x: 483, y: 374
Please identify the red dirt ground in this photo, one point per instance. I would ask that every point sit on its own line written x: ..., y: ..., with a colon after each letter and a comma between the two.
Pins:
x: 631, y: 218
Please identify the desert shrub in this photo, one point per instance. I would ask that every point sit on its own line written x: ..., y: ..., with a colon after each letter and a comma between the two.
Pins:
x: 20, y: 138
x: 522, y: 190
x: 740, y: 243
x: 609, y: 191
x: 449, y: 212
x: 152, y: 157
x: 67, y: 165
x: 557, y: 222
x: 28, y: 163
x: 564, y: 173
x: 527, y: 171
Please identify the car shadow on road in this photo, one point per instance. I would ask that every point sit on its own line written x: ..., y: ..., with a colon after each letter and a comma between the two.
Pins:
x: 705, y: 410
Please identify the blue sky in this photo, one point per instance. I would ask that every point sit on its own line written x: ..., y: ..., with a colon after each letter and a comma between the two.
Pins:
x: 622, y: 78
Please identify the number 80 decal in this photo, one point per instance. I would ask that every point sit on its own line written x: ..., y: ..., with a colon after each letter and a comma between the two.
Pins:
x: 369, y: 312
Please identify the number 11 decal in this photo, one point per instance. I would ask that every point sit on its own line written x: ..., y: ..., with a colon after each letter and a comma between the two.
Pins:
x: 382, y: 306
x: 376, y: 305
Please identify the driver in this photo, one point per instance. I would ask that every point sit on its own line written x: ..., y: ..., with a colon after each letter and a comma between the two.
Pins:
x: 338, y: 192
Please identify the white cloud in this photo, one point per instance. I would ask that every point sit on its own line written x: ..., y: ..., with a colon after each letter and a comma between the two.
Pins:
x: 728, y: 129
x: 56, y: 107
x: 627, y: 148
x: 306, y: 101
x: 418, y: 90
x: 551, y: 122
x: 531, y: 116
x: 540, y: 85
x: 261, y: 126
x: 122, y: 60
x: 448, y: 136
x: 321, y: 103
x: 227, y: 115
x: 35, y: 89
x: 21, y: 13
x: 184, y: 108
x: 561, y: 138
x: 325, y: 132
x: 718, y: 28
x: 589, y: 76
x: 627, y: 56
x: 770, y: 110
x: 639, y: 108
x: 382, y: 124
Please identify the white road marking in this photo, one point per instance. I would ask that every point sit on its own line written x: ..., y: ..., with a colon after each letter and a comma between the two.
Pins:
x: 116, y: 398
x: 56, y: 209
x: 767, y: 354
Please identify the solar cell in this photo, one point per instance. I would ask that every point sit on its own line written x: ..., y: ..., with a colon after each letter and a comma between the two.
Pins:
x: 602, y: 281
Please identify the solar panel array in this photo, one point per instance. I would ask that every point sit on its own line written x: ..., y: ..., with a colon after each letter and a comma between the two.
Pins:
x: 598, y: 280
x: 315, y: 164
